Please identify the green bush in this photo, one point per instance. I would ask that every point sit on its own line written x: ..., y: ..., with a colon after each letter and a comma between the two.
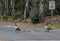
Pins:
x: 4, y: 17
x: 0, y: 17
x: 46, y: 12
x: 16, y: 15
x: 34, y: 15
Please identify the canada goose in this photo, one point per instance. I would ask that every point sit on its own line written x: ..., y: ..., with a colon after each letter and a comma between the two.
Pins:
x: 17, y: 28
x: 47, y: 27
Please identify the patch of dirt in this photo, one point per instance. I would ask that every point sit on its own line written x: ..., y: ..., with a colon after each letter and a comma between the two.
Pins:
x: 56, y: 19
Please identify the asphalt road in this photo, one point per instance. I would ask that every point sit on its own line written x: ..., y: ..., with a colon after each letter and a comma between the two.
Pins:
x: 7, y: 32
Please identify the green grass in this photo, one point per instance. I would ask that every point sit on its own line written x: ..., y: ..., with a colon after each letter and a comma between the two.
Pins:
x: 54, y: 26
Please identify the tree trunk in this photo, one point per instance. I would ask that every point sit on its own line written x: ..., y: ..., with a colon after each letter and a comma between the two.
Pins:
x: 41, y: 11
x: 8, y: 7
x: 2, y: 6
x: 26, y: 6
x: 12, y: 6
x: 1, y: 9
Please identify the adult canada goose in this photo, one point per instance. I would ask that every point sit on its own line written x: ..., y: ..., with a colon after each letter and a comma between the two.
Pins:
x: 17, y: 28
x: 47, y: 27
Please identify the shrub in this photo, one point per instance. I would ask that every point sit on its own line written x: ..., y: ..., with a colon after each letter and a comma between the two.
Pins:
x: 4, y: 17
x: 0, y: 17
x: 34, y: 15
x: 16, y: 15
